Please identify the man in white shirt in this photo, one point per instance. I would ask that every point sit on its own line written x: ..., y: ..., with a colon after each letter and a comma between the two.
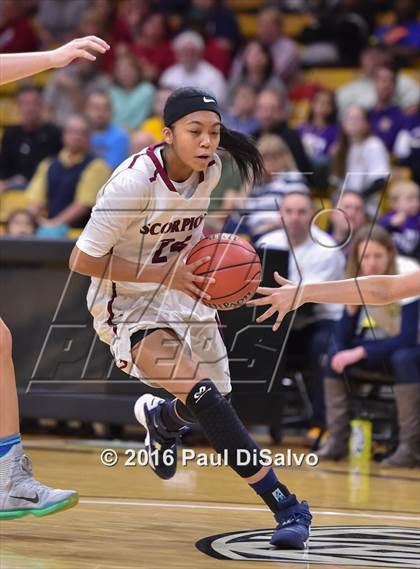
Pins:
x: 362, y: 90
x: 191, y: 70
x: 314, y: 257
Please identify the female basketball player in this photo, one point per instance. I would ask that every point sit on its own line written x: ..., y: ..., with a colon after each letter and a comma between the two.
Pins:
x: 20, y: 493
x: 145, y: 299
x: 375, y: 290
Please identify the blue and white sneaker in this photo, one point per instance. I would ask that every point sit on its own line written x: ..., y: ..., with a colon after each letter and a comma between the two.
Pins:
x: 21, y: 494
x: 294, y: 522
x: 161, y: 444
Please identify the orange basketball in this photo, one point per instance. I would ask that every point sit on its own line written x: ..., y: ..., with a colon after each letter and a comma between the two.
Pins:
x: 234, y: 264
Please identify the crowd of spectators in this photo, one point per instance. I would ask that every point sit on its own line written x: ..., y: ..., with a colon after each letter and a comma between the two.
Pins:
x: 92, y: 115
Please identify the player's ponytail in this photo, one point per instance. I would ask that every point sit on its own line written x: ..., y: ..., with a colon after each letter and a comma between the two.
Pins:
x: 243, y: 150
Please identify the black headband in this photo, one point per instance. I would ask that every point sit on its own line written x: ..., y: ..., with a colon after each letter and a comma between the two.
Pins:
x: 177, y: 108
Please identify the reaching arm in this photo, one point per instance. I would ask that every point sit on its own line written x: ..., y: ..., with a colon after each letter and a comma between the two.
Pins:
x: 14, y: 66
x: 375, y: 290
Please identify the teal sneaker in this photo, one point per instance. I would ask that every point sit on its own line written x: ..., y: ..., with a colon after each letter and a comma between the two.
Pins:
x: 21, y: 494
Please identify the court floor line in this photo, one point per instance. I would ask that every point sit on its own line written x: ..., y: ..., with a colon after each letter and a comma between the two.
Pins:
x: 389, y: 515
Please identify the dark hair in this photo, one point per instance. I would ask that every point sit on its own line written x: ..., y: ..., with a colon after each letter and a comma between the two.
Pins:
x: 332, y: 117
x: 339, y: 195
x: 269, y: 67
x: 21, y: 211
x: 390, y: 66
x: 243, y: 150
x: 240, y: 146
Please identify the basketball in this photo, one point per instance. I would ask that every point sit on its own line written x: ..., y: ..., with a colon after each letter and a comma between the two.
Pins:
x: 234, y: 264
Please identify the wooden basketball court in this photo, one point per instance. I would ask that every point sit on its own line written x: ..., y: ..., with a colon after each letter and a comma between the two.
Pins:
x: 127, y: 518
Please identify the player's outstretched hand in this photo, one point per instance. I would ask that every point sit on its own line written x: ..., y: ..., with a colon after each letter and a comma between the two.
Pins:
x: 182, y: 277
x: 282, y: 300
x: 84, y: 48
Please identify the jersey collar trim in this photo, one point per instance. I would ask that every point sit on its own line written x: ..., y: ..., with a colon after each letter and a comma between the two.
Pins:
x: 161, y: 170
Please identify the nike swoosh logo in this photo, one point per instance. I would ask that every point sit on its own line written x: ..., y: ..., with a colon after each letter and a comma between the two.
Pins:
x: 33, y: 500
x: 206, y: 100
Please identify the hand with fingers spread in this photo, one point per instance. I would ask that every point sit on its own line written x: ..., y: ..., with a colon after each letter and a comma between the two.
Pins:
x: 283, y: 299
x: 84, y: 48
x: 182, y: 277
x: 15, y: 66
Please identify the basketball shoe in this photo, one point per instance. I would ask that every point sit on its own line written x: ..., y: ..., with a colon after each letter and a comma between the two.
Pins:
x: 294, y: 522
x: 161, y: 444
x: 21, y: 494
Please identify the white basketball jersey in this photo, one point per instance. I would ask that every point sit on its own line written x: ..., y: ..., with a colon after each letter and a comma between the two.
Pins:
x: 145, y: 218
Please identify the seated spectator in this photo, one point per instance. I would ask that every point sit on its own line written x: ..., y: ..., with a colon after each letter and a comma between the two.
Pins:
x: 272, y: 113
x: 152, y: 46
x: 347, y: 217
x: 388, y: 337
x: 17, y: 34
x: 130, y: 15
x: 403, y: 35
x: 403, y: 221
x: 284, y: 51
x: 315, y: 258
x: 23, y: 146
x: 257, y: 214
x: 386, y: 118
x: 131, y: 95
x: 360, y: 159
x: 150, y: 131
x: 217, y: 51
x: 336, y: 33
x: 108, y: 141
x: 320, y: 131
x: 67, y: 89
x: 241, y: 115
x: 65, y: 187
x: 362, y: 91
x: 255, y: 68
x: 407, y: 144
x: 21, y: 223
x: 220, y: 21
x: 191, y: 69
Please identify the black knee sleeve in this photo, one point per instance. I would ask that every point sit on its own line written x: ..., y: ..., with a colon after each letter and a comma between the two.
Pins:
x: 222, y: 426
x: 185, y: 414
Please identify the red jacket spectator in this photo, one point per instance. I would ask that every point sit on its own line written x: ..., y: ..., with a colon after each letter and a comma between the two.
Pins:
x: 16, y: 32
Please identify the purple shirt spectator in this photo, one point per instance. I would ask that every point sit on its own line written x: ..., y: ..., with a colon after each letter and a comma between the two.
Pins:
x: 318, y: 140
x: 407, y: 145
x: 405, y: 236
x: 386, y: 124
